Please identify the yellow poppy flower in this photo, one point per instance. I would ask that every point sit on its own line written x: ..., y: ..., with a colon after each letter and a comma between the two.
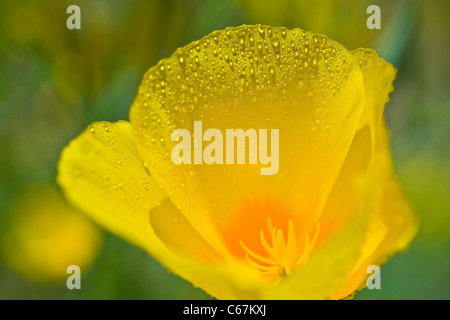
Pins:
x: 310, y: 230
x: 44, y: 235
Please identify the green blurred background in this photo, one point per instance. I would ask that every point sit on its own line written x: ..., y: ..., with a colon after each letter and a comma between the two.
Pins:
x: 55, y: 81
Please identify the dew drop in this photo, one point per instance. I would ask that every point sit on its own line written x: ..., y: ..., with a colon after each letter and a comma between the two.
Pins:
x: 181, y: 59
x: 275, y: 43
x: 271, y: 70
x: 261, y: 31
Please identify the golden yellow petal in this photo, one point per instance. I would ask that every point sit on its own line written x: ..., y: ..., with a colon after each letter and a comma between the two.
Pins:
x: 390, y: 232
x: 344, y: 222
x: 378, y: 83
x: 395, y: 224
x: 305, y: 85
x: 367, y: 191
x: 400, y: 220
x: 102, y: 173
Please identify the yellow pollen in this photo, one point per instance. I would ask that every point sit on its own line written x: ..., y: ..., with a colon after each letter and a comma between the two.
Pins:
x: 282, y: 255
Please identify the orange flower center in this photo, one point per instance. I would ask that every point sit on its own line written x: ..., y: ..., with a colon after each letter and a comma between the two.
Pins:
x: 271, y: 238
x: 282, y: 256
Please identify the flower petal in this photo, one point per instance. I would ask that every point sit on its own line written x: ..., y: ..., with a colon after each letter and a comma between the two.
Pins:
x: 395, y: 223
x: 102, y: 173
x: 345, y: 221
x: 378, y: 78
x: 365, y: 191
x: 391, y: 231
x: 398, y: 216
x: 251, y: 77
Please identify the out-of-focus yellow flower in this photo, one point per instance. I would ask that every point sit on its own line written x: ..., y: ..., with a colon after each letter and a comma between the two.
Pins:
x: 309, y: 231
x: 44, y: 235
